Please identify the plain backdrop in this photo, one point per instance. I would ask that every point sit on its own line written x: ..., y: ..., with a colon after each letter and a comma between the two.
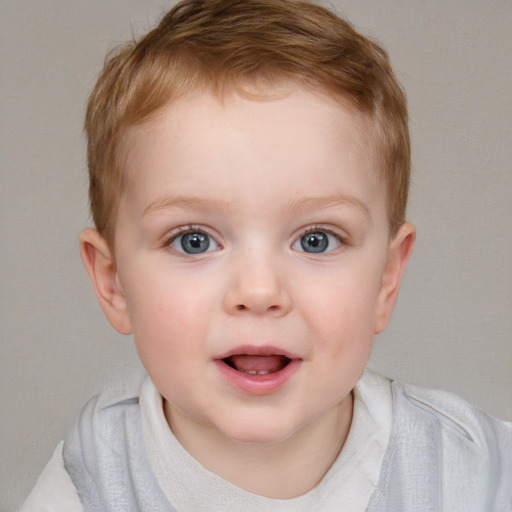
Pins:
x: 453, y: 322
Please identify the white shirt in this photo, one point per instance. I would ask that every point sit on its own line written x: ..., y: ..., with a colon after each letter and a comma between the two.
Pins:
x: 351, y: 480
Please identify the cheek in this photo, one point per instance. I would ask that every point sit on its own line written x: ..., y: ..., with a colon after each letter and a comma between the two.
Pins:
x: 341, y: 310
x: 169, y: 317
x: 166, y: 335
x: 154, y: 313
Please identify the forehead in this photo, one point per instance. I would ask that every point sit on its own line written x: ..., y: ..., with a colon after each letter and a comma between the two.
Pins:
x: 205, y: 144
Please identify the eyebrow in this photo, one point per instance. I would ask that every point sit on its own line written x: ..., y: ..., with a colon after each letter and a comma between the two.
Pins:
x: 190, y: 202
x: 309, y: 204
x: 297, y: 207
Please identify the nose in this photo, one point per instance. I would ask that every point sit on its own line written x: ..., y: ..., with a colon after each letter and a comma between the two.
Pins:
x: 257, y: 287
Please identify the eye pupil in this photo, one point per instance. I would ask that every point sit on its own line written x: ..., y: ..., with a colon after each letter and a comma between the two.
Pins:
x: 315, y: 242
x: 194, y: 243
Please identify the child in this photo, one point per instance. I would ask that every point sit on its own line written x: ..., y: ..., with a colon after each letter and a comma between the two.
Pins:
x: 249, y: 166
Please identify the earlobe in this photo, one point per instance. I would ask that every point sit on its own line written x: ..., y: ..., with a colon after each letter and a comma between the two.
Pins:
x: 400, y: 250
x: 100, y: 265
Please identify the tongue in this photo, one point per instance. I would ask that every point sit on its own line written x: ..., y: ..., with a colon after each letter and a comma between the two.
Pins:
x: 268, y: 364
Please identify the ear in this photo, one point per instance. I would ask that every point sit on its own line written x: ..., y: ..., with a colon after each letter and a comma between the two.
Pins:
x: 100, y: 265
x: 400, y: 250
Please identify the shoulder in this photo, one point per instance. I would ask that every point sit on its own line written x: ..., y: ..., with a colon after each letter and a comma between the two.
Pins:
x: 444, y: 451
x: 107, y: 426
x: 54, y: 489
x: 104, y: 413
x: 469, y: 450
x: 454, y: 415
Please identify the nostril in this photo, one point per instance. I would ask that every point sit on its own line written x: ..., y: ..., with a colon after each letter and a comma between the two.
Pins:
x: 256, y: 300
x: 243, y: 307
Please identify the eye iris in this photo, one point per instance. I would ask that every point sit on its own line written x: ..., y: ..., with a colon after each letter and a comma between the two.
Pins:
x: 314, y: 242
x: 194, y: 243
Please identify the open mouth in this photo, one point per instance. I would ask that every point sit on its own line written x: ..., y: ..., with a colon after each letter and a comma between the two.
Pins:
x: 258, y: 370
x: 257, y: 364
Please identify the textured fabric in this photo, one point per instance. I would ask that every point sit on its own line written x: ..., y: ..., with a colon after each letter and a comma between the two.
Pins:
x: 350, y: 481
x: 106, y: 457
x: 444, y: 455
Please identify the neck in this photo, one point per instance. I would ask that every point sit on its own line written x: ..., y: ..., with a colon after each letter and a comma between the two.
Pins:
x: 281, y: 470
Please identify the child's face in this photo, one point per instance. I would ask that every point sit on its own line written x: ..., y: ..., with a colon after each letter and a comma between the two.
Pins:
x: 253, y: 238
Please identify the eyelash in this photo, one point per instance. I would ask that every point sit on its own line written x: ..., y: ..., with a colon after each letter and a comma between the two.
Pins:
x: 323, y: 229
x: 183, y: 230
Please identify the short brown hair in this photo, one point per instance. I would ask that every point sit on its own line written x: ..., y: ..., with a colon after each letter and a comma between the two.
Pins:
x: 218, y: 45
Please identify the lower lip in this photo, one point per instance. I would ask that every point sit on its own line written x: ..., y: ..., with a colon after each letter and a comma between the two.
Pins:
x: 258, y: 384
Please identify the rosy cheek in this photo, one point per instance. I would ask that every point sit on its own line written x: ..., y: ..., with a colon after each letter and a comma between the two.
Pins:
x: 165, y: 312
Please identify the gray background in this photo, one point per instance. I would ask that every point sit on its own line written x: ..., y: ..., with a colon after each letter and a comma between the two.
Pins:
x: 452, y: 326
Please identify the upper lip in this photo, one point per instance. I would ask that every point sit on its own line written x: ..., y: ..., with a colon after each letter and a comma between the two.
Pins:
x: 257, y: 350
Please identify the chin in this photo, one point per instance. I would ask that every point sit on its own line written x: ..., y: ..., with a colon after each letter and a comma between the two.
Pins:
x: 258, y: 433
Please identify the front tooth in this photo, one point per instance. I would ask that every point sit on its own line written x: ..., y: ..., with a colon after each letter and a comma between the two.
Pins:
x: 254, y: 372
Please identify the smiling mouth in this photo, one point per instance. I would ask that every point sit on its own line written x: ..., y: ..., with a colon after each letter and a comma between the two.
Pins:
x: 257, y: 364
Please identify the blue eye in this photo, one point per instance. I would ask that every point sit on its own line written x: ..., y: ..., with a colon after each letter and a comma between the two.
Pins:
x: 194, y: 242
x: 317, y: 242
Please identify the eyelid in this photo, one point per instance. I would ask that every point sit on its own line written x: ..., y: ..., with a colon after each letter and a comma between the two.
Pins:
x: 338, y: 233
